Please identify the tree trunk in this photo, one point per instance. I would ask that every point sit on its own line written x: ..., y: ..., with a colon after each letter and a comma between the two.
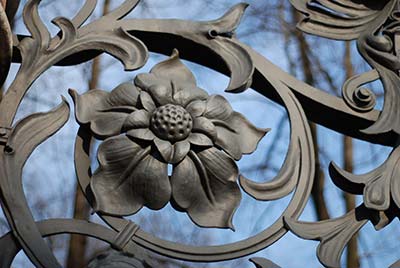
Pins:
x: 317, y: 192
x: 352, y: 258
x: 78, y: 243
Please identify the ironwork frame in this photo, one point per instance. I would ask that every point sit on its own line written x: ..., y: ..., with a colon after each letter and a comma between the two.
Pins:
x: 374, y: 25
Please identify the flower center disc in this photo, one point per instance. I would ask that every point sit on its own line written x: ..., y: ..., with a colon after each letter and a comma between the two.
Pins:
x: 171, y: 122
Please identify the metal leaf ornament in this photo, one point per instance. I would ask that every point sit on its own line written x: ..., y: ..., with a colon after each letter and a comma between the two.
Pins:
x: 164, y: 118
x: 380, y: 188
x: 75, y: 38
x: 374, y: 24
x: 341, y: 19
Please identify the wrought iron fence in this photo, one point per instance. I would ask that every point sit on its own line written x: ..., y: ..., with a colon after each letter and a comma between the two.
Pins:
x: 165, y: 118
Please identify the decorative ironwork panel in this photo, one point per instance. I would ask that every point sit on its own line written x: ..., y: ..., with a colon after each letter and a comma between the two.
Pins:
x: 163, y: 118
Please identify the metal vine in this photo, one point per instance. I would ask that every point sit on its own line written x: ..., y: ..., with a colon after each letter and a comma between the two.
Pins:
x: 165, y: 118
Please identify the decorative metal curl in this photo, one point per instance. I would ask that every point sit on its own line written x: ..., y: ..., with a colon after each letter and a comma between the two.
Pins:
x: 359, y: 98
x: 374, y: 24
x: 302, y: 176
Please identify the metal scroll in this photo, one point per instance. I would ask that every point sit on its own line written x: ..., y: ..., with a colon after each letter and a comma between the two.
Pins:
x: 163, y: 118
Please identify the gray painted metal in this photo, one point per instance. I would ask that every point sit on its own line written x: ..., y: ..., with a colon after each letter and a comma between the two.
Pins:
x: 164, y: 118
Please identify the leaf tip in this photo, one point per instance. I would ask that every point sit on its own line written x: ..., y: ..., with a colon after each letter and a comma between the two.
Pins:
x: 64, y: 100
x: 175, y: 54
x: 73, y: 94
x: 231, y: 19
x: 264, y: 130
x: 241, y: 79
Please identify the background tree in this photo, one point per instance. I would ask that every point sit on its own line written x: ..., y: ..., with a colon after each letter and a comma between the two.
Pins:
x: 269, y: 27
x: 78, y: 243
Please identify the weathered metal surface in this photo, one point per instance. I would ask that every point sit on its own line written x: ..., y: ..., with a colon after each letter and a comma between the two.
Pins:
x: 6, y: 45
x: 167, y: 119
x: 164, y: 118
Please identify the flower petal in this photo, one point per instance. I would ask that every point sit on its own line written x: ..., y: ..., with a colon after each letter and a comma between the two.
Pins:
x: 150, y: 181
x: 113, y: 196
x: 137, y: 119
x: 184, y: 93
x: 229, y: 142
x: 181, y: 149
x: 173, y: 69
x: 249, y: 134
x: 146, y: 101
x: 219, y: 165
x: 141, y: 133
x: 236, y: 135
x: 184, y: 180
x: 108, y: 124
x: 165, y: 148
x: 190, y: 195
x: 88, y: 105
x: 172, y: 153
x: 218, y: 107
x: 196, y: 108
x: 200, y: 139
x: 245, y: 138
x: 125, y: 94
x: 159, y: 88
x: 205, y: 126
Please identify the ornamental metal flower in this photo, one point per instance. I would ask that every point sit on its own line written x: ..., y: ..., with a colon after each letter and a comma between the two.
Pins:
x: 164, y: 118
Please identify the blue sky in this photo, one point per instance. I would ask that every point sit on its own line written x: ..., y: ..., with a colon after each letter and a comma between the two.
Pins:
x: 50, y: 188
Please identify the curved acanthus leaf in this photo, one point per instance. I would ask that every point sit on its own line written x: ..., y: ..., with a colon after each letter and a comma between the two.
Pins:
x: 389, y: 118
x: 118, y: 43
x: 347, y: 20
x: 235, y: 56
x: 115, y: 39
x: 227, y: 24
x: 35, y: 25
x: 333, y: 234
x: 39, y: 53
x: 377, y: 46
x: 23, y: 139
x: 340, y: 19
x: 68, y: 33
x: 282, y: 184
x: 36, y: 128
x: 84, y: 13
x: 347, y: 181
x: 378, y: 187
x: 80, y: 18
x: 238, y: 61
x: 124, y: 9
x: 291, y: 171
x: 112, y: 39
